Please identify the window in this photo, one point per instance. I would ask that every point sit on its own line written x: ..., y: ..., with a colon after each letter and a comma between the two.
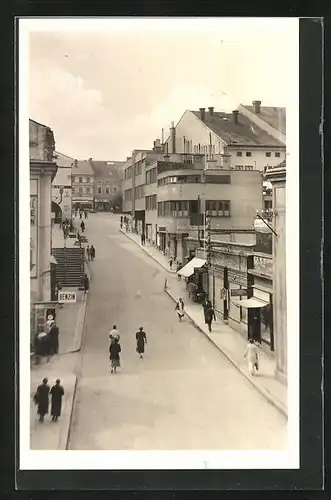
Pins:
x: 239, y: 167
x: 80, y: 190
x: 218, y: 208
x: 80, y: 179
x: 277, y: 155
x: 74, y: 189
x: 248, y: 153
x: 218, y: 179
x: 128, y: 195
x: 267, y: 204
x: 107, y: 190
x: 99, y: 190
x: 88, y: 190
x: 248, y: 167
x: 268, y: 154
x: 239, y: 153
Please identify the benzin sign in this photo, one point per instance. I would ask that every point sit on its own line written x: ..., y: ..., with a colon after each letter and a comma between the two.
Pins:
x: 64, y: 297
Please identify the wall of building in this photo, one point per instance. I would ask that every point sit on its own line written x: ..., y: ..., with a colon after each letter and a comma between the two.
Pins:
x: 40, y: 240
x: 279, y: 257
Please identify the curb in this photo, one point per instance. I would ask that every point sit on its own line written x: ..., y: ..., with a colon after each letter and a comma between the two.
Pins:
x: 67, y: 437
x: 268, y: 396
x: 149, y: 255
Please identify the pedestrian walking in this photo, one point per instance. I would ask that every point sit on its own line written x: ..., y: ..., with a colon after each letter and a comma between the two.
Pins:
x: 41, y: 399
x: 57, y: 393
x: 114, y: 334
x: 85, y: 214
x: 142, y: 239
x: 54, y: 339
x: 206, y: 305
x: 210, y: 316
x: 252, y: 357
x: 180, y: 309
x: 86, y: 283
x: 141, y: 341
x: 114, y: 355
x: 121, y: 222
x: 80, y: 214
x: 88, y: 253
x: 92, y: 252
x: 82, y: 226
x: 170, y: 262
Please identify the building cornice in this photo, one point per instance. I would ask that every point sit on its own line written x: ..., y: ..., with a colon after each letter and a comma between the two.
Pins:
x: 38, y: 167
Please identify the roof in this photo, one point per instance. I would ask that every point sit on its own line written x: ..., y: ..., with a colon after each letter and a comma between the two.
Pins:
x: 274, y: 116
x: 244, y: 133
x: 63, y: 160
x: 83, y: 167
x: 106, y: 168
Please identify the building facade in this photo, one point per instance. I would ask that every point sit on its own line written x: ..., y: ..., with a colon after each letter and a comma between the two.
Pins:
x: 82, y: 185
x: 43, y: 169
x: 107, y: 185
x: 61, y: 188
x: 277, y: 177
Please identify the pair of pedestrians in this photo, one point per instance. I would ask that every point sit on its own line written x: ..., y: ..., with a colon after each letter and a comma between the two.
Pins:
x: 41, y: 399
x: 90, y: 252
x: 115, y: 346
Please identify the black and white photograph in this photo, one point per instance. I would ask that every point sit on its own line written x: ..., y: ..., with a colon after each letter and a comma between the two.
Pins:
x: 159, y: 271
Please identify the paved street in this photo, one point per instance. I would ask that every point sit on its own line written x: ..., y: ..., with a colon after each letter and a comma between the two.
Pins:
x: 184, y: 394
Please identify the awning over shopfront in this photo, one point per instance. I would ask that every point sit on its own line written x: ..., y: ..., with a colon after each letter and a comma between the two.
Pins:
x: 253, y: 302
x: 188, y: 269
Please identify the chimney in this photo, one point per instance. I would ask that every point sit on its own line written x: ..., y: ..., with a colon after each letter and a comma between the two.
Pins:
x: 211, y: 111
x: 202, y: 114
x: 257, y: 107
x: 173, y: 138
x: 235, y: 114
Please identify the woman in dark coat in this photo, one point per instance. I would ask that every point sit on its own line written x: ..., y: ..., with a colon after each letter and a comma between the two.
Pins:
x: 141, y: 341
x: 54, y: 339
x: 57, y: 392
x: 41, y: 399
x: 114, y: 355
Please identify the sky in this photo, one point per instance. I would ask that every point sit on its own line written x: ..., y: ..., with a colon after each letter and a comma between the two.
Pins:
x: 108, y: 86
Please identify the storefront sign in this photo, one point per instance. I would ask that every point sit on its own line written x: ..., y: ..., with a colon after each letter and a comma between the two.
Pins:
x: 65, y: 297
x: 239, y: 292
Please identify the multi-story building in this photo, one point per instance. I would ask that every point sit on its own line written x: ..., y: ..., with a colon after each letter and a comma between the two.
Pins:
x: 43, y: 169
x: 82, y: 185
x: 251, y: 142
x: 61, y: 188
x: 134, y: 182
x: 107, y: 185
x: 254, y: 137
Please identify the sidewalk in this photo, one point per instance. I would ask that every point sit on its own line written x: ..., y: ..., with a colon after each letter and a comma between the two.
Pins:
x: 226, y: 339
x: 51, y: 435
x: 151, y: 250
x: 70, y: 320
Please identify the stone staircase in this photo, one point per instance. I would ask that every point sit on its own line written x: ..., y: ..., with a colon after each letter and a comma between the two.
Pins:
x: 70, y: 266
